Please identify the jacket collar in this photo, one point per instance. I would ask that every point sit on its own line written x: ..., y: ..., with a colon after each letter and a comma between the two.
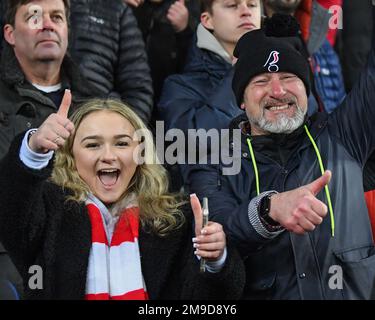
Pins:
x: 206, y: 40
x: 10, y: 70
x: 12, y: 74
x: 316, y: 124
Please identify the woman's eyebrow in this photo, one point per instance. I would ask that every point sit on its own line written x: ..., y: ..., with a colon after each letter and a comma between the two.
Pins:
x: 97, y: 137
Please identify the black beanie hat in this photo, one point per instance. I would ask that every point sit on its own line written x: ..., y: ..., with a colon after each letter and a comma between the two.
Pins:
x: 258, y: 53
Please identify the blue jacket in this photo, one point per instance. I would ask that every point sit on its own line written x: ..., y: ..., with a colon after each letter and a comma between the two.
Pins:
x: 202, y: 96
x: 328, y: 77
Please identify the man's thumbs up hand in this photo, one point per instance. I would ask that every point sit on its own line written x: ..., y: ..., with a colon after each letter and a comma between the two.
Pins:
x: 316, y: 186
x: 299, y: 210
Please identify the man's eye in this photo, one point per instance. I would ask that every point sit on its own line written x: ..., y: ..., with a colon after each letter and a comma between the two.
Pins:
x: 231, y: 5
x: 260, y: 81
x: 288, y: 76
x: 57, y: 18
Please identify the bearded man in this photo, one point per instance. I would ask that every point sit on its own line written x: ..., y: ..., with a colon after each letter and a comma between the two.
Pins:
x: 296, y: 209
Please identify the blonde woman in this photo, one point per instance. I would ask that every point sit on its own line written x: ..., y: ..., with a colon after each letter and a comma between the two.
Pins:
x: 98, y: 220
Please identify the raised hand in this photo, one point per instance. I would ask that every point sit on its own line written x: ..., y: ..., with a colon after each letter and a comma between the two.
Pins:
x: 178, y: 15
x: 134, y: 3
x: 53, y: 132
x: 299, y: 210
x: 209, y: 241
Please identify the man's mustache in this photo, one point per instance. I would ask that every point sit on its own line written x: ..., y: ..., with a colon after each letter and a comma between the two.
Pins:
x: 277, y: 102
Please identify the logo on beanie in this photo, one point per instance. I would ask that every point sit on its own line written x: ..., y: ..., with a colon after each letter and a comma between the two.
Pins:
x: 273, y: 58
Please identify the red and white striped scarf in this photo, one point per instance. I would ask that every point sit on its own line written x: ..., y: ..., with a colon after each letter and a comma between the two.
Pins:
x: 114, y: 271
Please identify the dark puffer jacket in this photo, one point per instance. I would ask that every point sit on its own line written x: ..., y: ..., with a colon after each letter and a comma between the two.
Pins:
x: 108, y: 46
x: 328, y: 76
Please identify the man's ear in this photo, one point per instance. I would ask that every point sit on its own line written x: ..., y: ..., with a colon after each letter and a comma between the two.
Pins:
x: 207, y: 21
x: 8, y: 34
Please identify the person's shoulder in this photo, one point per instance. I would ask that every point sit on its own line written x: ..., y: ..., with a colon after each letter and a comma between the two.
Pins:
x: 187, y: 78
x: 110, y: 9
x: 196, y: 83
x: 184, y: 85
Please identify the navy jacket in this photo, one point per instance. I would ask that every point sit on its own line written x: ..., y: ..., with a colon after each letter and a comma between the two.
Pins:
x: 202, y: 96
x: 292, y: 266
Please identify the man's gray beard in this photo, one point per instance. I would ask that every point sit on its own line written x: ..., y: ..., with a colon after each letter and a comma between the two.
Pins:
x: 283, y: 124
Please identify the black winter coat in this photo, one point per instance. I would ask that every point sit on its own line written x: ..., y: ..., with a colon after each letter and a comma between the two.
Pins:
x: 107, y: 45
x: 39, y: 227
x: 355, y: 39
x: 167, y: 50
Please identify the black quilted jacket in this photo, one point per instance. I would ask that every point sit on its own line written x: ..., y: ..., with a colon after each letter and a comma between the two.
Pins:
x: 106, y: 43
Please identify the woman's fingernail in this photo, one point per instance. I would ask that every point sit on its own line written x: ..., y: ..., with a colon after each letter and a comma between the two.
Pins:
x: 196, y: 245
x: 193, y: 195
x: 194, y: 239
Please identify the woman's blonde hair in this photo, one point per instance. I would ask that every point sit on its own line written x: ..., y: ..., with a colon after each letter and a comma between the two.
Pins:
x: 159, y: 210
